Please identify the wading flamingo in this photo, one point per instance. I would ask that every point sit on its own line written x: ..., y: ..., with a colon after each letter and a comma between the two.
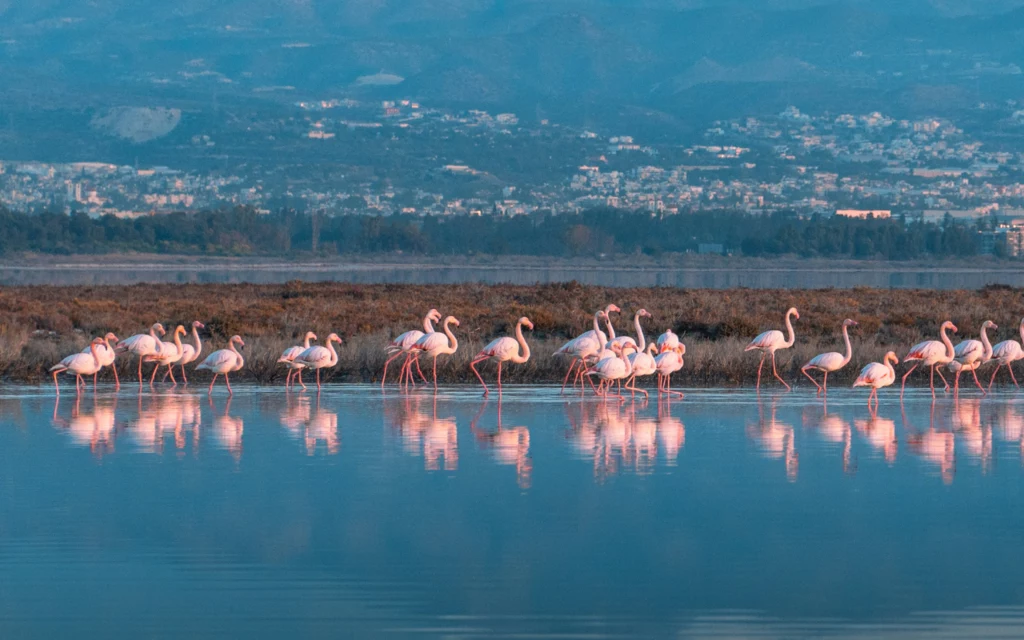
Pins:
x: 668, y: 362
x: 142, y: 345
x: 771, y: 341
x: 616, y: 368
x: 168, y: 356
x: 582, y: 348
x: 877, y: 375
x: 403, y: 345
x: 439, y: 344
x: 640, y: 343
x: 931, y: 353
x: 1005, y: 354
x: 106, y: 354
x: 830, y: 362
x: 295, y: 368
x: 190, y: 353
x: 643, y: 365
x: 224, y: 361
x: 667, y: 340
x: 971, y: 354
x: 504, y: 349
x: 317, y: 358
x: 80, y: 364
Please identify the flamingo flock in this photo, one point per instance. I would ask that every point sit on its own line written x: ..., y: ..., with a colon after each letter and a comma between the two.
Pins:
x: 614, y: 362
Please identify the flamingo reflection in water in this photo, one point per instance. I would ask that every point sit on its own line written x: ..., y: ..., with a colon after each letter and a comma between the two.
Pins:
x: 227, y: 430
x: 96, y: 430
x: 975, y: 436
x: 775, y: 439
x: 322, y: 427
x: 880, y: 434
x: 176, y: 414
x: 1009, y: 426
x: 933, y: 446
x: 424, y: 433
x: 833, y: 429
x: 509, y: 445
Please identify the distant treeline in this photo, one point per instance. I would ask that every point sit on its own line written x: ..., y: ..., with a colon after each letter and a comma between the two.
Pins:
x: 240, y: 232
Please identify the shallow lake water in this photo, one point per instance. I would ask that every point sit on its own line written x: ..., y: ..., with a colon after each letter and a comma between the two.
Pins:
x: 362, y: 514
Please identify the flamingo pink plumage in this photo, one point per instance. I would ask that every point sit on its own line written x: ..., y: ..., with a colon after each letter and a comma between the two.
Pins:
x: 1005, y: 354
x: 403, y: 345
x: 771, y: 341
x: 142, y: 345
x: 223, y: 362
x: 877, y: 375
x: 832, y: 361
x: 80, y: 364
x: 668, y: 362
x: 168, y: 355
x: 971, y: 354
x: 583, y: 347
x: 317, y: 358
x: 439, y: 344
x: 931, y: 353
x: 107, y: 356
x: 504, y: 349
x: 190, y: 353
x: 288, y: 359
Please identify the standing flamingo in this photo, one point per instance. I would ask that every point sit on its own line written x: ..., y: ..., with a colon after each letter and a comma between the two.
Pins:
x: 615, y: 368
x: 504, y: 349
x: 439, y: 344
x: 971, y: 354
x: 668, y: 362
x: 877, y: 375
x: 931, y: 353
x: 80, y: 364
x: 830, y: 362
x: 403, y: 345
x: 168, y: 356
x: 295, y: 368
x: 142, y: 345
x: 317, y: 358
x: 224, y: 361
x: 667, y: 340
x: 189, y: 353
x: 583, y: 347
x: 771, y: 341
x: 643, y: 364
x: 106, y: 354
x: 1005, y: 354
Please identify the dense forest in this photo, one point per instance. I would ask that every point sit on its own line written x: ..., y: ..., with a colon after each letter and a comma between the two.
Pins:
x: 240, y: 232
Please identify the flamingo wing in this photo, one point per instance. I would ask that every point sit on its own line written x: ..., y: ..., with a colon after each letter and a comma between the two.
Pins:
x: 220, y: 361
x: 405, y: 341
x: 623, y: 341
x: 314, y: 357
x: 609, y: 369
x: 830, y: 361
x: 768, y: 340
x: 432, y: 342
x: 289, y: 354
x: 1007, y: 351
x: 188, y: 354
x: 969, y: 351
x: 500, y: 349
x: 873, y: 374
x: 925, y: 350
x: 668, y: 340
x: 643, y: 364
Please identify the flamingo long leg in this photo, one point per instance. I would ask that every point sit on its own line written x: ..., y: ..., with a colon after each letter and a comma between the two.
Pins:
x: 384, y: 377
x: 184, y: 378
x: 939, y: 371
x: 170, y: 370
x: 499, y: 377
x: 1014, y: 378
x: 932, y: 381
x: 998, y: 364
x: 668, y: 387
x: 803, y: 370
x: 298, y: 374
x: 472, y: 365
x: 974, y: 372
x: 211, y: 386
x: 824, y: 385
x: 776, y: 374
x: 904, y: 385
x: 435, y: 374
x: 416, y: 361
x: 140, y: 372
x: 117, y: 381
x: 572, y: 366
x: 763, y: 354
x: 56, y: 385
x: 227, y: 381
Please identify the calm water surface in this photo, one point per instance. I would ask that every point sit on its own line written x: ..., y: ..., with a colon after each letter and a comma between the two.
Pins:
x: 359, y: 514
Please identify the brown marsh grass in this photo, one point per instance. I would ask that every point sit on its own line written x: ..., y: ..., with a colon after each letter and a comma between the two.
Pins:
x: 40, y: 325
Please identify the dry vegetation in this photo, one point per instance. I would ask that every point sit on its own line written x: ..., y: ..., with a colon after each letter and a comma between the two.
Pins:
x: 40, y: 325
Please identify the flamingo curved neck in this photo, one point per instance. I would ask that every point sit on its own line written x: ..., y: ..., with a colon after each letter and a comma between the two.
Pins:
x: 177, y: 340
x: 640, y: 342
x: 95, y: 356
x: 985, y: 342
x: 950, y: 352
x: 611, y: 329
x: 453, y: 343
x: 428, y: 324
x: 520, y: 359
x: 305, y: 343
x: 849, y: 347
x: 599, y: 333
x: 789, y: 330
x: 334, y: 354
x: 1021, y: 331
x: 195, y: 336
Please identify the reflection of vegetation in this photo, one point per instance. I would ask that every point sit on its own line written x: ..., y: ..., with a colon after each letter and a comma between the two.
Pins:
x: 40, y: 325
x: 608, y: 231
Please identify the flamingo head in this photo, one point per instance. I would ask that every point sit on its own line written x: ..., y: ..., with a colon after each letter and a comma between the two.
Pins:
x: 96, y: 342
x: 948, y: 325
x: 891, y: 356
x: 850, y: 323
x: 238, y: 340
x: 158, y: 328
x: 110, y: 337
x: 434, y: 315
x: 793, y: 312
x: 526, y: 323
x: 310, y: 335
x: 198, y: 325
x: 179, y: 330
x: 612, y: 308
x: 452, y: 320
x: 333, y: 338
x: 643, y: 313
x: 988, y: 324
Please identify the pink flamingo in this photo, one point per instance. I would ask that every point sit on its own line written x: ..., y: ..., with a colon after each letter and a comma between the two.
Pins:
x: 295, y: 368
x: 971, y: 354
x: 771, y: 341
x: 640, y: 343
x: 667, y: 340
x: 615, y: 368
x: 168, y: 355
x: 504, y: 349
x: 582, y: 348
x: 224, y: 361
x: 668, y: 362
x: 317, y: 358
x: 439, y: 344
x: 80, y: 364
x: 643, y: 364
x: 403, y: 345
x: 1005, y: 354
x: 189, y: 353
x: 107, y: 357
x: 830, y: 362
x: 931, y: 353
x: 142, y: 345
x: 877, y: 375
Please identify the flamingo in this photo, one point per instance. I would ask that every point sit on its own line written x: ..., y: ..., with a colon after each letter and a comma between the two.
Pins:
x: 80, y: 364
x: 317, y: 358
x: 504, y: 349
x: 168, y: 355
x: 830, y: 362
x: 403, y: 345
x: 668, y: 362
x: 1005, y: 354
x: 877, y: 375
x: 295, y: 368
x: 643, y: 365
x: 107, y: 356
x: 771, y: 341
x: 931, y: 353
x: 142, y: 345
x: 189, y: 353
x: 971, y: 354
x: 224, y: 361
x: 583, y: 347
x: 439, y: 344
x: 639, y: 344
x: 615, y: 368
x: 667, y: 340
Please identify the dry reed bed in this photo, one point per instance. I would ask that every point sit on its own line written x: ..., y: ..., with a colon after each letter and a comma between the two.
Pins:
x: 40, y: 325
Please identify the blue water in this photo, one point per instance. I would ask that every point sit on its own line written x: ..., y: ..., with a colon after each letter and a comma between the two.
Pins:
x: 361, y: 515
